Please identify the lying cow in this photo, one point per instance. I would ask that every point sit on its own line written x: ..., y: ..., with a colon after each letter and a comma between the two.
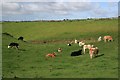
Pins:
x: 93, y: 52
x: 107, y: 38
x: 69, y: 44
x: 59, y: 50
x: 16, y: 45
x: 81, y: 43
x: 76, y: 53
x: 52, y: 55
x: 86, y: 47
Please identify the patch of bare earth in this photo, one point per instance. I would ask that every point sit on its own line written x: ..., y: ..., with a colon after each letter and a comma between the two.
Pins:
x: 87, y: 40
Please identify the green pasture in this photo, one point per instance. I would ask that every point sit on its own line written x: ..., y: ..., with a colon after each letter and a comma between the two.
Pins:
x: 61, y: 30
x: 30, y: 62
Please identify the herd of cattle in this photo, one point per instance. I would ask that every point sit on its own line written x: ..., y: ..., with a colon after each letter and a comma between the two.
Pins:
x: 93, y: 50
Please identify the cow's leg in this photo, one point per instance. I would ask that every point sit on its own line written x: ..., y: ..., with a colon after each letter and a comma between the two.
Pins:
x: 105, y: 40
x: 111, y: 40
x: 96, y: 55
x: 17, y: 47
x: 91, y: 55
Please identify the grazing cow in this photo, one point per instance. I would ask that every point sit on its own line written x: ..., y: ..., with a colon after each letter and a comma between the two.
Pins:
x: 76, y: 53
x: 59, y: 50
x: 81, y: 43
x: 20, y: 38
x: 76, y: 41
x: 93, y: 52
x: 107, y: 38
x: 69, y: 44
x: 87, y: 47
x: 52, y: 55
x: 16, y: 45
x: 100, y: 38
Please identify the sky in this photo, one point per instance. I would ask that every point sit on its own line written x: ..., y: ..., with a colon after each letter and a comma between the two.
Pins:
x: 28, y: 10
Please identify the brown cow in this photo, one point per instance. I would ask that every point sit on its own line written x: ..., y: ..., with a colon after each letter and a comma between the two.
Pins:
x: 51, y: 55
x: 93, y: 52
x: 87, y: 47
x: 107, y: 38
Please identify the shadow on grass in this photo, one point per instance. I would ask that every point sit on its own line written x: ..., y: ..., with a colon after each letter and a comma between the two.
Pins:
x: 100, y: 55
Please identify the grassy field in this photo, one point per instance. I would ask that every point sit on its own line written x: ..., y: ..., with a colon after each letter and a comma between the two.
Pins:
x: 30, y: 62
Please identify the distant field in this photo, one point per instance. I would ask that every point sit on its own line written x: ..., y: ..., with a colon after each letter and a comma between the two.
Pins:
x: 60, y: 30
x: 30, y: 62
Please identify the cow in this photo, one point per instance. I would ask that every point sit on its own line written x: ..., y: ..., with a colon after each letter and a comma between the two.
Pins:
x: 93, y: 52
x: 107, y: 38
x: 69, y: 44
x: 99, y: 39
x: 76, y: 41
x: 59, y: 50
x: 20, y: 38
x: 52, y: 55
x: 81, y: 43
x: 76, y: 53
x: 87, y: 47
x: 16, y: 45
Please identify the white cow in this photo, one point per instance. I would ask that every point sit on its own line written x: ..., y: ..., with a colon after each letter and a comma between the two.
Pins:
x: 87, y: 47
x: 81, y: 43
x: 76, y: 41
x: 100, y: 38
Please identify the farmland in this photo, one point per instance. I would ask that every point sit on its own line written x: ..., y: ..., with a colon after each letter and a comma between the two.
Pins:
x: 29, y: 61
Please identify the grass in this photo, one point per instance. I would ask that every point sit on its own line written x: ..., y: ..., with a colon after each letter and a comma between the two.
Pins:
x: 60, y: 30
x: 30, y: 62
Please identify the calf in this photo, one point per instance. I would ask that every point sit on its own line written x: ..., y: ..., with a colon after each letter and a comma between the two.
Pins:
x: 76, y: 53
x: 93, y: 52
x: 100, y: 38
x: 59, y: 50
x: 107, y: 38
x: 87, y: 47
x: 52, y: 55
x: 16, y: 45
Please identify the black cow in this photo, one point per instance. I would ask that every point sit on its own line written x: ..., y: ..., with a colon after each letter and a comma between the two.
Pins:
x: 13, y: 45
x: 76, y: 53
x: 20, y: 38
